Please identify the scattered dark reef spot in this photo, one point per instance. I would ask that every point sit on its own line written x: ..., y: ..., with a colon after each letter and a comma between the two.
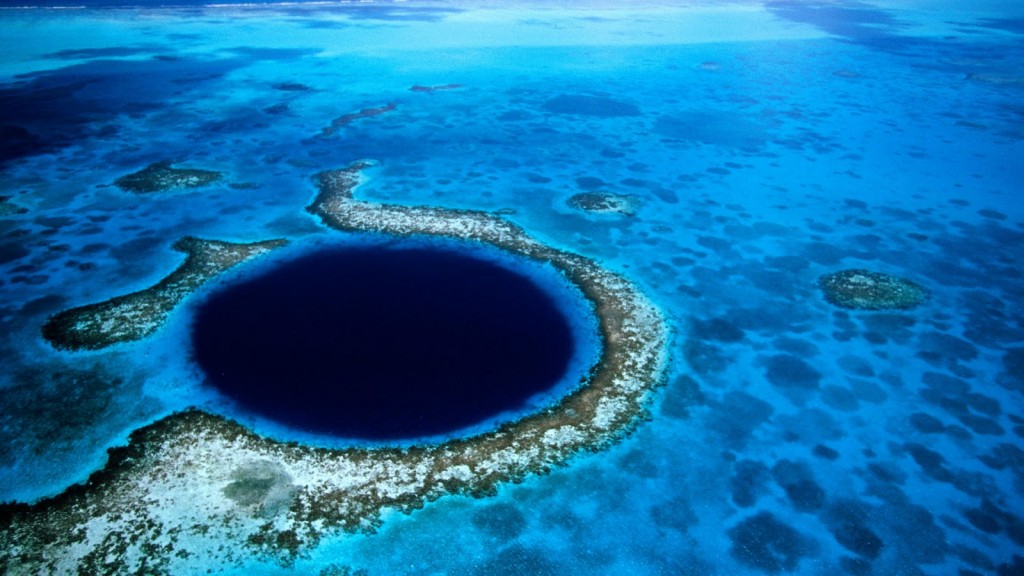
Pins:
x: 291, y: 87
x: 676, y: 513
x: 501, y: 521
x: 931, y: 462
x: 942, y: 349
x: 704, y: 357
x: 1012, y: 376
x: 849, y: 522
x: 517, y: 560
x: 603, y: 203
x: 856, y: 566
x: 865, y: 290
x: 162, y: 177
x: 883, y: 327
x: 736, y: 418
x: 856, y: 366
x: 789, y: 371
x: 764, y: 542
x: 840, y: 398
x: 749, y: 482
x: 713, y: 128
x: 797, y: 480
x: 822, y: 451
x: 53, y: 409
x: 11, y: 251
x: 1013, y: 568
x: 717, y: 329
x: 926, y: 423
x: 583, y: 105
x: 680, y: 396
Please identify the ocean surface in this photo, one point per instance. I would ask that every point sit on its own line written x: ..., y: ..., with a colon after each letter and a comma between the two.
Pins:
x: 762, y: 146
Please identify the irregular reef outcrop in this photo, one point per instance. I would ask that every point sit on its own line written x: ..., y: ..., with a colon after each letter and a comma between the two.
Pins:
x: 198, y: 490
x: 139, y: 314
x: 163, y: 176
x: 603, y: 203
x: 344, y: 120
x: 866, y: 290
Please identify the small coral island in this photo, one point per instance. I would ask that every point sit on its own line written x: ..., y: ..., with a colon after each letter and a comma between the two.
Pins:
x: 865, y: 290
x: 162, y: 176
x: 198, y: 491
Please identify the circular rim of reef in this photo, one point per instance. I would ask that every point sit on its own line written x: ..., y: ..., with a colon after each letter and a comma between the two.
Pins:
x: 187, y: 469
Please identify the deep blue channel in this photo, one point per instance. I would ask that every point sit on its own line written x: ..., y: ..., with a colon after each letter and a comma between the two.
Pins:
x: 382, y: 343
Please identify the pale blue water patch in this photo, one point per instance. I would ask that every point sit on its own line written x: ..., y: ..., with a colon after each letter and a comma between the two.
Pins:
x: 765, y: 144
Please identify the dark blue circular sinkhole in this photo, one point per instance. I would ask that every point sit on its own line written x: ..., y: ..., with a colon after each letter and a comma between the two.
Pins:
x: 382, y: 343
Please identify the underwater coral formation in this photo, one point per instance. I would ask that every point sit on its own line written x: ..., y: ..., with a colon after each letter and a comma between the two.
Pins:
x: 866, y: 290
x: 603, y: 203
x: 162, y: 176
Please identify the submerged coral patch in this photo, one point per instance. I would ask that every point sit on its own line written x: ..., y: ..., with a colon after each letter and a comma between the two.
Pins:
x: 866, y: 290
x: 163, y: 176
x: 603, y: 203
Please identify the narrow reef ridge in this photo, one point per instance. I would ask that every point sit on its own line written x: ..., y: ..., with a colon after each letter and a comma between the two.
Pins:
x: 195, y: 490
x: 137, y: 315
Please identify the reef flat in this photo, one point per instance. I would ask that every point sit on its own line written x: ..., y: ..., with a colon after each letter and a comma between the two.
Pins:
x: 197, y: 490
x: 137, y: 315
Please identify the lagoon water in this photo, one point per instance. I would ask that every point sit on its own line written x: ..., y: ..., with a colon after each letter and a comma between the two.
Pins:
x: 762, y: 146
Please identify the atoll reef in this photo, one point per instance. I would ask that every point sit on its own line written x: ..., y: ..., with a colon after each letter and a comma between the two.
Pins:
x: 603, y: 203
x: 865, y: 290
x: 191, y: 482
x: 162, y: 177
x: 137, y: 315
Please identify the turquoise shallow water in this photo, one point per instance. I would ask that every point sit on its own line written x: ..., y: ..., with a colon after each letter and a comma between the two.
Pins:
x: 763, y: 145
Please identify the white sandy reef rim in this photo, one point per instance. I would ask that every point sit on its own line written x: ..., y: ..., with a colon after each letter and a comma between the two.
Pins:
x: 195, y: 490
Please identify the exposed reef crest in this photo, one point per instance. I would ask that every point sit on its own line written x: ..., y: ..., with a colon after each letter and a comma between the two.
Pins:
x: 191, y: 482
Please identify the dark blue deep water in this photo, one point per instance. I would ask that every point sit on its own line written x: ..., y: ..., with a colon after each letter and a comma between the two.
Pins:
x: 382, y: 343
